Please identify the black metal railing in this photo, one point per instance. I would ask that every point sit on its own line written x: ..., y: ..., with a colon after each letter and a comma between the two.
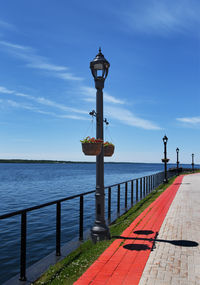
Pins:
x: 136, y: 188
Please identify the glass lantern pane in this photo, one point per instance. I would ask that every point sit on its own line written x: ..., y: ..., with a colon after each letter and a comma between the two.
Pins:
x: 100, y: 73
x: 98, y: 66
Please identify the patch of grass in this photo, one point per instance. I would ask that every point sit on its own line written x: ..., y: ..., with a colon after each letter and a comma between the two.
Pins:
x: 68, y: 270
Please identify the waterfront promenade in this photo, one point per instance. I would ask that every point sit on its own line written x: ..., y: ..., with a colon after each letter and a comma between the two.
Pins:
x: 160, y: 247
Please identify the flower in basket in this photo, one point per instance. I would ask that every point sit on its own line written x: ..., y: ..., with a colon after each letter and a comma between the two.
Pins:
x: 91, y: 140
x: 108, y: 148
x: 91, y: 146
x: 107, y: 143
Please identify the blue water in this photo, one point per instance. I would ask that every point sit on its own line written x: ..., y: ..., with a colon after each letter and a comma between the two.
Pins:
x: 27, y: 185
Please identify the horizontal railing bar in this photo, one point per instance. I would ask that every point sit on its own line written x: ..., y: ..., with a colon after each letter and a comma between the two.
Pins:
x: 43, y: 205
x: 114, y: 185
x: 19, y: 212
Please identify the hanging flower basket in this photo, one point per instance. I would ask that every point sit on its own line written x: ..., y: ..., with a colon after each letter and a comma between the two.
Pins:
x: 108, y: 149
x: 165, y: 159
x: 91, y: 146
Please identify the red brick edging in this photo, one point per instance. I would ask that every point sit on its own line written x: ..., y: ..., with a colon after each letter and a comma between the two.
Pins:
x: 124, y: 263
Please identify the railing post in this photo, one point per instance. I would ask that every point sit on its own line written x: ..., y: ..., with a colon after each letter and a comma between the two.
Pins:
x: 58, y: 227
x: 140, y: 188
x: 144, y: 192
x: 81, y: 219
x: 23, y: 248
x: 126, y: 189
x: 136, y: 189
x: 132, y: 193
x: 109, y: 203
x: 118, y: 199
x: 149, y: 184
x: 147, y: 189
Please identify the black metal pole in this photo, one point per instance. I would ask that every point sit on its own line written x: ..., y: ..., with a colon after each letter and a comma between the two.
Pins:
x: 100, y: 231
x: 23, y: 248
x: 165, y: 162
x: 177, y: 160
x: 193, y: 162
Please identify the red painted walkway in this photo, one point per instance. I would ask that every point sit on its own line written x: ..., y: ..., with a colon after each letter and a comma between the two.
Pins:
x: 124, y: 260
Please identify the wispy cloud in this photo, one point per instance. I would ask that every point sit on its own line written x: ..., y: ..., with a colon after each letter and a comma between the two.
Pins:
x: 6, y: 25
x: 128, y: 118
x: 15, y: 46
x: 44, y: 102
x: 90, y: 96
x: 162, y: 17
x: 45, y: 66
x: 20, y: 105
x: 29, y: 55
x: 117, y: 113
x: 5, y: 90
x: 47, y: 102
x: 68, y: 76
x: 189, y: 120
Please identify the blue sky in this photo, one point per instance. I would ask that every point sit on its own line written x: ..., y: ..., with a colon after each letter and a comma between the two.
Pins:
x: 152, y: 89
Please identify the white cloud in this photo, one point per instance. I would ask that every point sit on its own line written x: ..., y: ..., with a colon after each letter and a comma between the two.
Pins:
x: 162, y: 17
x: 35, y: 61
x: 68, y: 76
x: 189, y: 120
x: 46, y: 66
x: 5, y: 90
x: 47, y: 102
x: 15, y: 104
x: 128, y: 118
x: 15, y: 46
x: 6, y: 25
x: 118, y: 113
x: 90, y: 94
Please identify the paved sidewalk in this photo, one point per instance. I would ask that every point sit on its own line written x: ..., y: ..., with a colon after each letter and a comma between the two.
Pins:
x: 124, y: 261
x: 170, y: 263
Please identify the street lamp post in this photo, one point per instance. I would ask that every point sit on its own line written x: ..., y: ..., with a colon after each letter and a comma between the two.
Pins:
x: 165, y: 159
x: 177, y: 161
x: 193, y: 162
x: 99, y: 68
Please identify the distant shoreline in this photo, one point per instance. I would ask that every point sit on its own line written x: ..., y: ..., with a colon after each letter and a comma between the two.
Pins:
x: 60, y: 161
x: 37, y: 161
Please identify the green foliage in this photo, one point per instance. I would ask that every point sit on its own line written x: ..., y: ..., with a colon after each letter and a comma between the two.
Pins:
x: 91, y: 140
x: 108, y: 143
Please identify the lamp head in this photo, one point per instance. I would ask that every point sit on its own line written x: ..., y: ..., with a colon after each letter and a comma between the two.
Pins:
x: 165, y: 139
x: 99, y: 66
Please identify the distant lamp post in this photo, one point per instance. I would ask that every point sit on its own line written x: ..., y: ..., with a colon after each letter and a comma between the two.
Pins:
x: 193, y: 162
x: 99, y: 68
x: 177, y: 160
x: 165, y: 159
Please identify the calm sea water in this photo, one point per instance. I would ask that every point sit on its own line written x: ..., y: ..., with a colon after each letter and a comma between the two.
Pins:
x: 27, y: 185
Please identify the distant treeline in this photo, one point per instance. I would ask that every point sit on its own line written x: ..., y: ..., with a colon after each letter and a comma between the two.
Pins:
x: 56, y: 161
x: 32, y: 161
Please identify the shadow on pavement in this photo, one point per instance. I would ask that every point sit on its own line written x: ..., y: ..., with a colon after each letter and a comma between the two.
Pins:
x: 185, y: 243
x: 137, y: 247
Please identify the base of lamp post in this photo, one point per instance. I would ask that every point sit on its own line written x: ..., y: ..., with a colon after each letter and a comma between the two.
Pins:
x: 100, y: 232
x: 165, y: 180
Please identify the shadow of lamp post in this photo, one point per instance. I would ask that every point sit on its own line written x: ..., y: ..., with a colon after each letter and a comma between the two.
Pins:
x: 193, y: 162
x: 165, y: 159
x: 99, y: 68
x: 177, y: 160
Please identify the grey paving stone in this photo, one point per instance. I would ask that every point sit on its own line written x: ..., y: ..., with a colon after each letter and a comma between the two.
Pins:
x: 174, y: 264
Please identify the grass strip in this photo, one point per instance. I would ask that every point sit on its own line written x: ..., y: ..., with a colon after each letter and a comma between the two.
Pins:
x: 68, y: 270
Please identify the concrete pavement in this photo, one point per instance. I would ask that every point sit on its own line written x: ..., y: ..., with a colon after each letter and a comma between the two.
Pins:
x: 178, y: 262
